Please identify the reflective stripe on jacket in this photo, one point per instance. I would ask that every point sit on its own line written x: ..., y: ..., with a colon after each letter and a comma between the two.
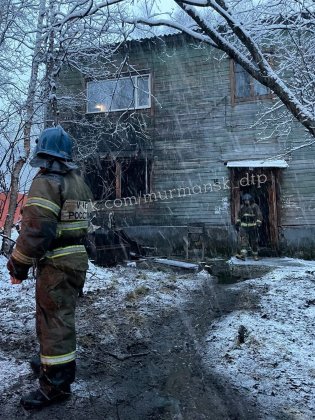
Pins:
x: 249, y: 216
x: 55, y: 220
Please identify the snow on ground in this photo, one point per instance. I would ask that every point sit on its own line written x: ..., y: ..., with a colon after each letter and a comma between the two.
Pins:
x: 17, y: 309
x: 153, y: 290
x: 275, y: 363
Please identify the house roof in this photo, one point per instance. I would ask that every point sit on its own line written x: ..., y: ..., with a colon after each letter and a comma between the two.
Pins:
x: 149, y: 35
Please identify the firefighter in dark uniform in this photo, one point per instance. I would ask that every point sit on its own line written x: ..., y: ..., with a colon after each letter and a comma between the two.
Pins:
x: 53, y: 229
x: 248, y: 221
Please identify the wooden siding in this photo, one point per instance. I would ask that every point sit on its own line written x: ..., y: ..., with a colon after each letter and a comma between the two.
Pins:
x: 194, y: 129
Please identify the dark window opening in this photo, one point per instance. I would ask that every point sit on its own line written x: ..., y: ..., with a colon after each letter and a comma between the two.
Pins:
x: 101, y: 179
x: 133, y: 178
x: 120, y: 178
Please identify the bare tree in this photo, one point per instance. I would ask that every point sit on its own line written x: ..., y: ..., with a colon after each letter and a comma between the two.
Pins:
x: 273, y: 40
x: 31, y: 58
x: 93, y: 53
x: 13, y: 39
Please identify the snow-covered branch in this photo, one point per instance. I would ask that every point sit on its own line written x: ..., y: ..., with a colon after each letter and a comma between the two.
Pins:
x: 273, y: 41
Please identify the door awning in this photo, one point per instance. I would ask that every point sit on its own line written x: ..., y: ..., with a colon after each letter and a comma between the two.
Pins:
x: 255, y: 163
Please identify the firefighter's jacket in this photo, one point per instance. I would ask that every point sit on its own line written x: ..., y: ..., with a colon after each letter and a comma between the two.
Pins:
x: 249, y: 216
x: 55, y: 220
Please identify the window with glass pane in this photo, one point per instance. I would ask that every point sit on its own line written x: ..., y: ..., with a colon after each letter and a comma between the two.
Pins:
x: 242, y: 82
x: 98, y: 96
x: 118, y: 94
x: 260, y: 89
x: 123, y: 94
x: 246, y: 86
x: 143, y: 91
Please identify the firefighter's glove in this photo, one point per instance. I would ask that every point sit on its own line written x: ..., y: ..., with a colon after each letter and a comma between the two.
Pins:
x: 17, y: 270
x: 237, y: 228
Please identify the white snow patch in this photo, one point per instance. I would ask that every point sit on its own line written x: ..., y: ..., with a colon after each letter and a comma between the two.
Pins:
x: 11, y: 369
x: 151, y: 290
x: 275, y: 364
x: 255, y: 163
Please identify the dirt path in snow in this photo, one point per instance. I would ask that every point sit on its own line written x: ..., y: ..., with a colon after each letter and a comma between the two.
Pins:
x: 144, y: 365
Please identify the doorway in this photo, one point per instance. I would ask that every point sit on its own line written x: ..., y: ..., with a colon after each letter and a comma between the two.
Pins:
x: 263, y: 185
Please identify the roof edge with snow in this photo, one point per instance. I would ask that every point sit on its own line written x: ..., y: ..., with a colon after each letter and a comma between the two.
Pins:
x: 255, y: 163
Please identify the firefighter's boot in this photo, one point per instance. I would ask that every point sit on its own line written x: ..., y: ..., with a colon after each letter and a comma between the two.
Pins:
x: 242, y: 255
x: 54, y: 387
x: 37, y: 399
x: 255, y: 257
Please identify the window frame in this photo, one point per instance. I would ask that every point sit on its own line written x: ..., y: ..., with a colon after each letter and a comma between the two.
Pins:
x: 253, y: 97
x: 117, y: 176
x: 137, y: 75
x: 147, y: 174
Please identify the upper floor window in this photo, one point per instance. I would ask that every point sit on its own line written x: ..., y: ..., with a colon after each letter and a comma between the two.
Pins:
x: 132, y: 92
x: 245, y: 87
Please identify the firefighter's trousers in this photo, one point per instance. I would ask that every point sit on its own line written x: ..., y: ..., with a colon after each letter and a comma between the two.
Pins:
x: 56, y: 296
x: 248, y: 240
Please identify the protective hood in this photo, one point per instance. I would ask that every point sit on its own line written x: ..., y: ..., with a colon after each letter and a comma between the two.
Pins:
x: 53, y: 165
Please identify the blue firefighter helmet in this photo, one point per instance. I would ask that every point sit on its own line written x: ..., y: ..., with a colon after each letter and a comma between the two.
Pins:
x: 246, y: 197
x: 54, y: 142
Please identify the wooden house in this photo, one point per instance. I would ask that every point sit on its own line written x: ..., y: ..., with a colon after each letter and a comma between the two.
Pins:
x: 173, y: 124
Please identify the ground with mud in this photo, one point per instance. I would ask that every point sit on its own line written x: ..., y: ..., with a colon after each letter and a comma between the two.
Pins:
x: 139, y: 349
x: 154, y: 344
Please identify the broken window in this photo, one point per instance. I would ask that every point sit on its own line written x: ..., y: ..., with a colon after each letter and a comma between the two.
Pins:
x: 133, y: 178
x: 132, y: 92
x: 245, y: 87
x: 119, y: 178
x: 101, y: 178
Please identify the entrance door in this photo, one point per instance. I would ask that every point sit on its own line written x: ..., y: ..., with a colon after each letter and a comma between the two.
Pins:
x: 262, y: 184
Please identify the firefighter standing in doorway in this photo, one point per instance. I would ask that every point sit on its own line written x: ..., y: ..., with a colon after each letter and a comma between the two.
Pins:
x: 54, y: 225
x: 248, y: 221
